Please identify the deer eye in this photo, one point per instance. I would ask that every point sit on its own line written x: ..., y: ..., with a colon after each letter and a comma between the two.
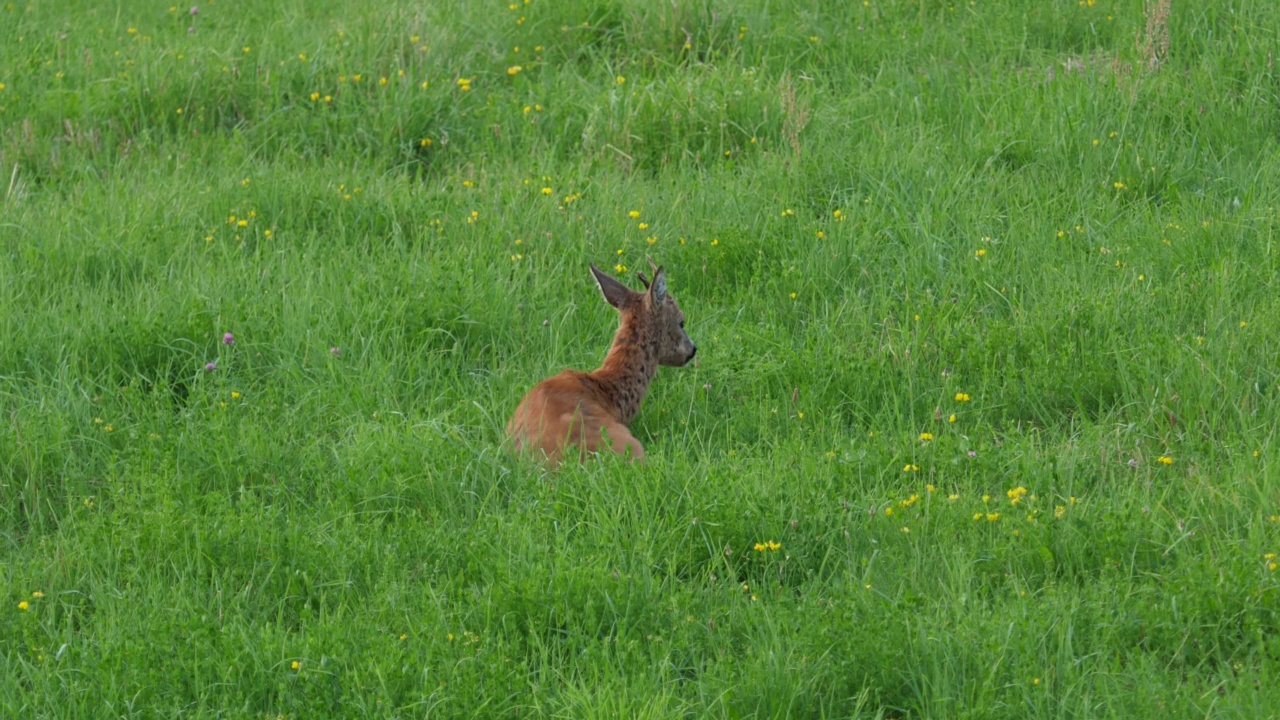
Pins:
x: 681, y: 324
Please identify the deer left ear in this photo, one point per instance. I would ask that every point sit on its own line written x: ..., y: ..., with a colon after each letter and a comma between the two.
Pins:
x: 615, y: 293
x: 658, y: 288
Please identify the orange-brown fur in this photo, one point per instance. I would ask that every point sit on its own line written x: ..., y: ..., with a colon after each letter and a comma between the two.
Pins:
x: 592, y: 410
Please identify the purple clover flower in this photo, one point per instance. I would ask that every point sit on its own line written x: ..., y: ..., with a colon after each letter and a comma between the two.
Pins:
x: 228, y: 339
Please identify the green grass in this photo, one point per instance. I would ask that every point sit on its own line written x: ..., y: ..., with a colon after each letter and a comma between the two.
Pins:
x: 864, y: 209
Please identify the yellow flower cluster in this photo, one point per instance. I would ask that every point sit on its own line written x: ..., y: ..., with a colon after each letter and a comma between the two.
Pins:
x: 1016, y: 494
x: 770, y: 545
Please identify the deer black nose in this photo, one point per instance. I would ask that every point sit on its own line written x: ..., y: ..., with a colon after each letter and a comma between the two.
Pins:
x: 695, y: 352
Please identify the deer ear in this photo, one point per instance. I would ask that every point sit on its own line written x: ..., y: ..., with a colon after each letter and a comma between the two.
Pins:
x: 615, y: 293
x: 658, y: 288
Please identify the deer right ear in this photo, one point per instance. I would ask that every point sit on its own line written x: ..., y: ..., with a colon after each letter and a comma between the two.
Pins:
x: 658, y: 288
x: 615, y: 293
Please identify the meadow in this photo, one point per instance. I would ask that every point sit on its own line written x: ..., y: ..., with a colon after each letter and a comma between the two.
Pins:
x: 983, y: 424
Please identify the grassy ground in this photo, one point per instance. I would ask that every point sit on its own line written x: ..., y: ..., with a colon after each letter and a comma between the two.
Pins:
x: 984, y: 295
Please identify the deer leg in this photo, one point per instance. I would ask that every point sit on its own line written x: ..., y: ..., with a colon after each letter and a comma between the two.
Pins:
x: 620, y: 440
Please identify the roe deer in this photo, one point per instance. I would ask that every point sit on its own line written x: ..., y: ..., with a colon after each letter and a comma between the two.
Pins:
x: 592, y: 410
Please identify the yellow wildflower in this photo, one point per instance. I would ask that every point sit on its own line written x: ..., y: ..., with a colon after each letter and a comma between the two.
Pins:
x: 1016, y: 494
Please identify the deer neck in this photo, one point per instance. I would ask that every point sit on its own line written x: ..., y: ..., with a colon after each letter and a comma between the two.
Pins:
x: 628, y: 368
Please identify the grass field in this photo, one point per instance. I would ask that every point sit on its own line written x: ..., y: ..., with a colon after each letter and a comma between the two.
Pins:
x: 985, y: 300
